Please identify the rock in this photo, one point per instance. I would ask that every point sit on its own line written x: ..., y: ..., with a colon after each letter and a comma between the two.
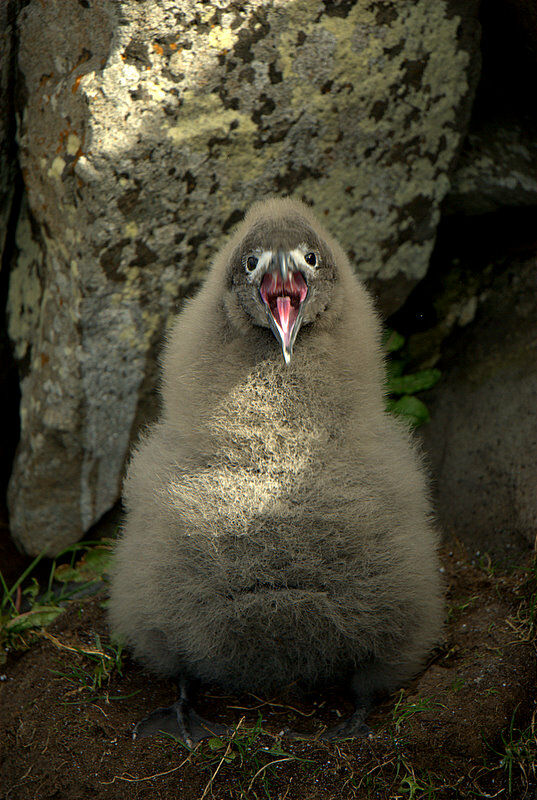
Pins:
x: 482, y: 438
x: 146, y: 133
x: 8, y: 11
x: 497, y: 169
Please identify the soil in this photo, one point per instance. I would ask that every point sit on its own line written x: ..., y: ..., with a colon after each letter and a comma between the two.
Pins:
x: 454, y: 733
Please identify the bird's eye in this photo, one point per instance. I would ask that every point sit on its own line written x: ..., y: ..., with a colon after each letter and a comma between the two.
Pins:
x: 251, y: 263
x: 311, y: 259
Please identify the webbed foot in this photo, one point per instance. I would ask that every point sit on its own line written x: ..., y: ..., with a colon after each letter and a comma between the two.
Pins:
x: 179, y: 720
x: 352, y: 728
x: 348, y: 729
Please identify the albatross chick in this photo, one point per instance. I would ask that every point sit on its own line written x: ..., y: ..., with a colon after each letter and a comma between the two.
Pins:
x: 277, y: 528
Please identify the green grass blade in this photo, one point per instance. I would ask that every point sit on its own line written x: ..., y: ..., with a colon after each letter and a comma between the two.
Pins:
x: 27, y: 571
x: 7, y: 594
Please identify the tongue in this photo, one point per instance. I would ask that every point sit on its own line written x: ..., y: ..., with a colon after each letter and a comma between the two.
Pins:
x: 283, y: 301
x: 284, y: 309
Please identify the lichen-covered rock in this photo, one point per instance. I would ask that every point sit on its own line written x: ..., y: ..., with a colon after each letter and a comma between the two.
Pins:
x: 482, y: 439
x: 147, y: 131
x: 497, y: 169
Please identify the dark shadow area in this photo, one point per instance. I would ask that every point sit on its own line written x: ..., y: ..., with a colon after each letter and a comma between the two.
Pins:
x: 10, y: 559
x: 468, y: 254
x: 509, y: 63
x: 472, y: 317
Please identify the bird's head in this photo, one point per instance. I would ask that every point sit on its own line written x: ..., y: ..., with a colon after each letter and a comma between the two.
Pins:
x: 281, y: 270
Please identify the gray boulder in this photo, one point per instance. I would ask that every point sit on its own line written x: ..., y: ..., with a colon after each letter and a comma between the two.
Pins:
x: 497, y: 169
x: 147, y: 131
x: 482, y: 438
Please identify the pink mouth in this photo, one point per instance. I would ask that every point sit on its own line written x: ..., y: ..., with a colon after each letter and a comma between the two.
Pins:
x: 283, y: 300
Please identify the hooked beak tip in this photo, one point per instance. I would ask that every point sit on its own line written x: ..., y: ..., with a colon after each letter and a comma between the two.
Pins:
x: 283, y: 295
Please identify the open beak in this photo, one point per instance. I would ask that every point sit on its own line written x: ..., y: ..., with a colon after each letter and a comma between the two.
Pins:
x: 284, y: 290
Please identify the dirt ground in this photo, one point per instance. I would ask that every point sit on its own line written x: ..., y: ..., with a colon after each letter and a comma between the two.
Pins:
x: 462, y: 729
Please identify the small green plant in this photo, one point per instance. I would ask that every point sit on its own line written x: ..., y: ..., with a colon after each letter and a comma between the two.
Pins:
x: 396, y: 778
x: 518, y: 755
x: 403, y: 711
x: 457, y: 608
x: 93, y: 565
x: 93, y: 668
x: 402, y: 387
x: 28, y: 606
x: 14, y: 624
x: 485, y: 564
x: 415, y: 787
x: 252, y: 752
x: 527, y: 612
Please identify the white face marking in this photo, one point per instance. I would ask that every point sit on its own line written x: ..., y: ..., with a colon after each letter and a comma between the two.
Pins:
x: 295, y: 258
x: 298, y: 257
x: 264, y: 258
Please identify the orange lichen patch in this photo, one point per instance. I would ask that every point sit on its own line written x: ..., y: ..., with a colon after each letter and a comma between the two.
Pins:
x: 44, y: 359
x: 158, y: 48
x: 76, y: 156
x: 173, y: 46
x: 84, y: 56
x: 76, y: 84
x: 63, y: 138
x: 44, y: 79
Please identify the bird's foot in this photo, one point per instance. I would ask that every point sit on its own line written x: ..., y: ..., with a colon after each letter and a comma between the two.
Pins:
x: 348, y: 729
x: 181, y: 722
x: 352, y: 728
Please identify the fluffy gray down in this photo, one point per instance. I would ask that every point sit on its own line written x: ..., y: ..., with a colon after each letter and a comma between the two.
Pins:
x: 277, y: 522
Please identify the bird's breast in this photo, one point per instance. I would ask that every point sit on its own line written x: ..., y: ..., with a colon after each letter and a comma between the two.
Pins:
x: 270, y: 443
